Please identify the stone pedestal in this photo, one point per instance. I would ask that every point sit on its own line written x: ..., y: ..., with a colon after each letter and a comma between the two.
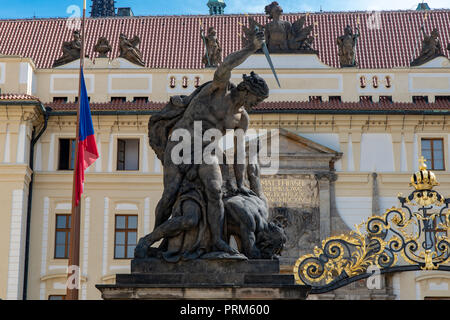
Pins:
x: 153, y: 279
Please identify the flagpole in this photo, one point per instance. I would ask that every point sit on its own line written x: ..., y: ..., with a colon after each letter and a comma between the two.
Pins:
x: 74, y: 275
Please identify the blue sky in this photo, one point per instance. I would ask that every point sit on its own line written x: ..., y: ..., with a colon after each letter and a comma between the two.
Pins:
x: 58, y: 8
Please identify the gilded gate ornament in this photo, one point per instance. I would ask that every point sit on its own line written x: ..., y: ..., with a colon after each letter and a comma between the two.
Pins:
x: 413, y: 237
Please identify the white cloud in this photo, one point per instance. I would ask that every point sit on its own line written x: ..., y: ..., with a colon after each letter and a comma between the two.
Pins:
x: 392, y: 5
x: 247, y: 6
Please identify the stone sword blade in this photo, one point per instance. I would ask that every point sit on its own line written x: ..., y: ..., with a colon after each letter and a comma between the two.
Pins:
x: 269, y: 59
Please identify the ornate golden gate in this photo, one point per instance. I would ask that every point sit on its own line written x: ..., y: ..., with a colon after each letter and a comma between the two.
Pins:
x: 413, y: 237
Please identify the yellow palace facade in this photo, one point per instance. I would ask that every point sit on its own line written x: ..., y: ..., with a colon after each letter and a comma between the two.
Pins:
x: 373, y: 122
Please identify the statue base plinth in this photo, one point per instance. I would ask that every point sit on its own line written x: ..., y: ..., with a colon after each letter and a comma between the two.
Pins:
x: 153, y: 279
x: 436, y: 61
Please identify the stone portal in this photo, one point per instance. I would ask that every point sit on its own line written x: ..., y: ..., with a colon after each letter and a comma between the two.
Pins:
x: 302, y: 192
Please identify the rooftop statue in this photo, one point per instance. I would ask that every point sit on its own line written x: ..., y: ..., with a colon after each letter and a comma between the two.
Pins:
x: 102, y: 47
x: 431, y: 48
x: 129, y: 49
x: 347, y: 47
x: 71, y: 50
x: 206, y: 202
x: 213, y: 55
x: 284, y: 37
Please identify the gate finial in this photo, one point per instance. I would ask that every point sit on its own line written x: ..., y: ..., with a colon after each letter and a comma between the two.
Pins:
x: 423, y: 179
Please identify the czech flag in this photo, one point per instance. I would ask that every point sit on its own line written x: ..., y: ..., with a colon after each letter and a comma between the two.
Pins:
x: 87, y: 147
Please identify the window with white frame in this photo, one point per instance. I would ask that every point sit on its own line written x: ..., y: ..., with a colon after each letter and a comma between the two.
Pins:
x: 66, y: 159
x: 125, y: 236
x: 128, y: 155
x: 62, y: 236
x: 433, y: 151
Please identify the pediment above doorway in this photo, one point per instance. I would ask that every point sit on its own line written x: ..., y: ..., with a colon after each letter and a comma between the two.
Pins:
x: 297, y: 154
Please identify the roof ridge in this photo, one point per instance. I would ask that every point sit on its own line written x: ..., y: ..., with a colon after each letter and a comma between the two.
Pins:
x: 229, y: 15
x: 292, y: 102
x: 393, y: 44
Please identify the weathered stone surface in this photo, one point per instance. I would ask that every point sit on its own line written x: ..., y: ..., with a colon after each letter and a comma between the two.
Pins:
x: 180, y: 279
x: 204, y: 279
x: 302, y: 230
x: 111, y: 292
x: 71, y: 50
x: 281, y: 35
x: 213, y: 55
x: 205, y: 266
x: 129, y: 49
x: 292, y: 190
x: 431, y: 48
x: 102, y: 47
x: 303, y: 193
x: 208, y: 293
x: 269, y: 279
x: 296, y: 198
x: 205, y: 204
x: 347, y: 47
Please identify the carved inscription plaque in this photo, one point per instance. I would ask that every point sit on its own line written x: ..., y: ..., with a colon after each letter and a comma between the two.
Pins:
x: 296, y: 198
x: 291, y: 191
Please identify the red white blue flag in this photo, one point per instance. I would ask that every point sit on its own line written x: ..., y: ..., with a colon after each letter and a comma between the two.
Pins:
x: 87, y: 147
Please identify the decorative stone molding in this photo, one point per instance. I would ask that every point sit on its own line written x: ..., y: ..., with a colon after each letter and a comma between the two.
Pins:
x: 330, y: 176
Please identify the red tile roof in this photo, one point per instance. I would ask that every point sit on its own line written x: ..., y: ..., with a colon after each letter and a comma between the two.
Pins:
x: 173, y: 41
x: 283, y: 106
x: 348, y: 106
x: 17, y: 97
x: 108, y: 106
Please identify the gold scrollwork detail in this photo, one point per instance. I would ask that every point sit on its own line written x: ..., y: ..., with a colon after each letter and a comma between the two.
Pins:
x: 415, y: 234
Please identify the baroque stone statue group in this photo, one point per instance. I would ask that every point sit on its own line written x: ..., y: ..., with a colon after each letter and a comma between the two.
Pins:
x: 213, y: 54
x: 347, y: 47
x: 129, y: 49
x: 431, y: 48
x: 204, y: 205
x: 280, y: 35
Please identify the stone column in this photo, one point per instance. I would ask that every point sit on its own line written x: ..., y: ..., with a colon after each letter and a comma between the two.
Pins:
x: 356, y: 148
x: 409, y: 144
x: 3, y: 132
x: 343, y: 141
x: 13, y: 130
x: 397, y: 146
x: 324, y: 180
x: 375, y: 195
